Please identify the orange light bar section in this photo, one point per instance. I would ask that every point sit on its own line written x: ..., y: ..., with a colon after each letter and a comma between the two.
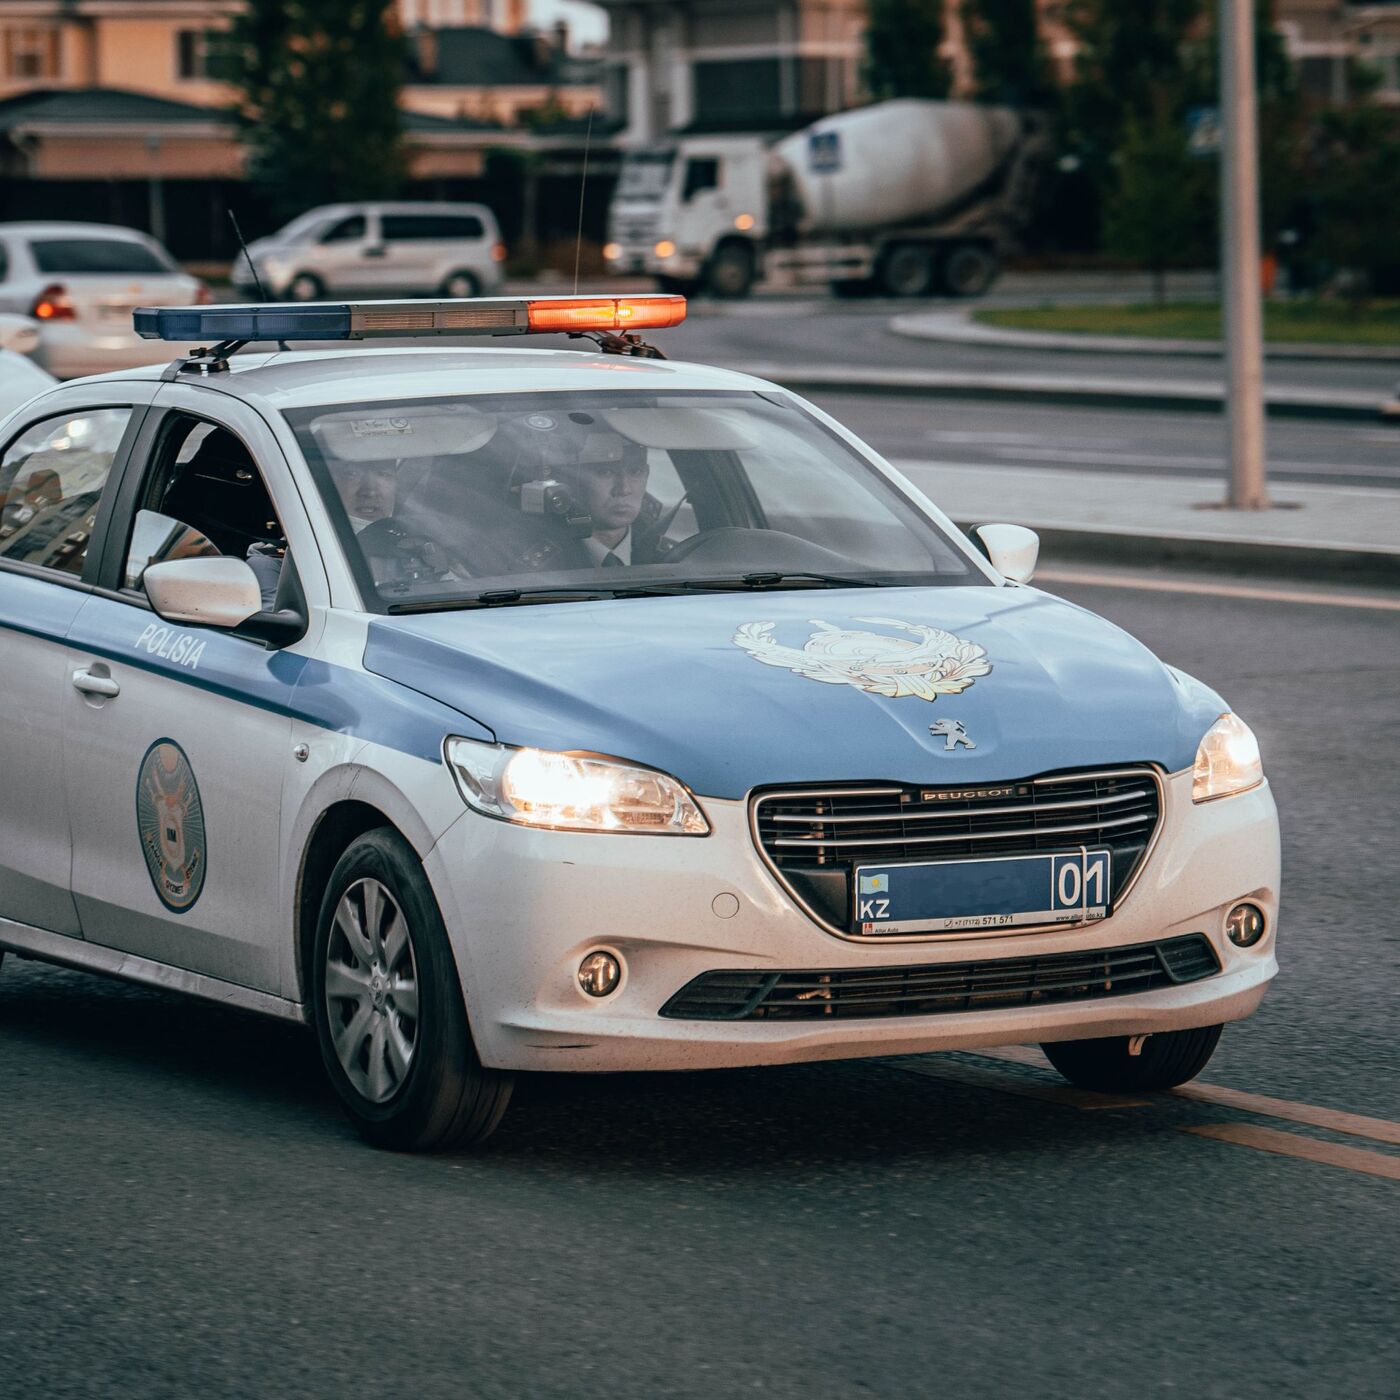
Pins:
x: 605, y: 313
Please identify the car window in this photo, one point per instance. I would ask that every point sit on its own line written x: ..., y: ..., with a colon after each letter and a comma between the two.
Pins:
x: 204, y: 494
x: 51, y: 480
x: 410, y: 227
x: 450, y: 497
x: 345, y: 230
x: 96, y: 255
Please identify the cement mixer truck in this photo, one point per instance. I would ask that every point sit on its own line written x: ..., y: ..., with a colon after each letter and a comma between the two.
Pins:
x: 907, y: 198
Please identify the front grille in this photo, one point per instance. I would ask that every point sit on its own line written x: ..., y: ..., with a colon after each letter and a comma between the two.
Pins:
x: 815, y: 837
x: 993, y: 983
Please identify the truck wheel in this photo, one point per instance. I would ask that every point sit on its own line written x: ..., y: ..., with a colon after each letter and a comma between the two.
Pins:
x: 968, y: 270
x: 388, y: 1006
x: 907, y: 271
x: 678, y: 286
x: 1165, y: 1060
x: 729, y: 272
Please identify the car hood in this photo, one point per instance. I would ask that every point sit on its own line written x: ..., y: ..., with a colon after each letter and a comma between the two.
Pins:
x: 735, y: 691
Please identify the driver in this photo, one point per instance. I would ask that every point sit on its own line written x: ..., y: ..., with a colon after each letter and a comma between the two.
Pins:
x: 370, y: 492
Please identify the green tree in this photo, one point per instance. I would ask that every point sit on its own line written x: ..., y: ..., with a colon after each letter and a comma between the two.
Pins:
x: 902, y: 39
x: 1353, y: 178
x: 1132, y: 67
x: 1160, y: 210
x: 318, y: 85
x: 1008, y: 57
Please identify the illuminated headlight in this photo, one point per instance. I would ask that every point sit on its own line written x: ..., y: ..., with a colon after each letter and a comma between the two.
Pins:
x: 1227, y: 760
x: 570, y: 792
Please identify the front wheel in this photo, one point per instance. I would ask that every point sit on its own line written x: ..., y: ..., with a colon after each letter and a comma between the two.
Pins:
x: 730, y: 271
x: 1163, y: 1061
x: 388, y: 1006
x: 305, y: 286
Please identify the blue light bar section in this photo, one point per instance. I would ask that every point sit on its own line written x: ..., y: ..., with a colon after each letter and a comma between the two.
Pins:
x: 321, y: 321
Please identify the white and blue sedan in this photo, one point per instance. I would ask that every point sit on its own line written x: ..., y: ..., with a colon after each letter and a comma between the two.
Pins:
x: 496, y: 710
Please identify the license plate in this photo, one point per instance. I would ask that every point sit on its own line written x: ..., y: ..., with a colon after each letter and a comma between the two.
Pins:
x: 1000, y: 892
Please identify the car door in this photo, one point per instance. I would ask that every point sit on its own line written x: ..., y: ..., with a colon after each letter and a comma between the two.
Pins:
x: 175, y: 764
x: 54, y: 473
x: 413, y: 247
x: 348, y: 256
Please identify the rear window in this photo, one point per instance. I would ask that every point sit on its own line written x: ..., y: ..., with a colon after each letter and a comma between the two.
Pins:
x: 96, y: 255
x: 405, y: 227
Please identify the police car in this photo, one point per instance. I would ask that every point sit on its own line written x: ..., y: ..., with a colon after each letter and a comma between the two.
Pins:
x: 502, y: 709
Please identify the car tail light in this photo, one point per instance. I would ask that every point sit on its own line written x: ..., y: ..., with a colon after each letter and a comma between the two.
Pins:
x: 52, y: 304
x: 498, y: 252
x: 203, y: 296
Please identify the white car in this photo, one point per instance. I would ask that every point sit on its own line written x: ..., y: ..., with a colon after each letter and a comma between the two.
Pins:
x: 451, y: 250
x: 496, y: 710
x: 81, y: 282
x: 20, y: 377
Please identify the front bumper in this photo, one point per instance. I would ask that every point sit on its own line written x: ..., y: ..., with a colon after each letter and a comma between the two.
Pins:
x: 523, y: 907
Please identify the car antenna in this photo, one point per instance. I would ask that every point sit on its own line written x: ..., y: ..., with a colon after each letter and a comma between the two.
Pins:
x: 582, y: 186
x: 252, y: 266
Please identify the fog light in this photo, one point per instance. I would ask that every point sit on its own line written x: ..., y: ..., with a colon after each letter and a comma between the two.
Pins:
x: 599, y: 973
x: 1245, y: 925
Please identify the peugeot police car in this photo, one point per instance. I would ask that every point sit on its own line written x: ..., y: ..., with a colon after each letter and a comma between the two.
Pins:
x: 496, y: 710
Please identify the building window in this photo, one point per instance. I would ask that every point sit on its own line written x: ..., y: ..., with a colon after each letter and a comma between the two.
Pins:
x: 31, y: 53
x: 199, y: 55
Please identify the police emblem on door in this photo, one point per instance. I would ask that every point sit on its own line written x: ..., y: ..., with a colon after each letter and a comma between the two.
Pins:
x: 170, y: 818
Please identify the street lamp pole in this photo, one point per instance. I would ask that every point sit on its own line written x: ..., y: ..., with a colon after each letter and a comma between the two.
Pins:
x: 1239, y: 256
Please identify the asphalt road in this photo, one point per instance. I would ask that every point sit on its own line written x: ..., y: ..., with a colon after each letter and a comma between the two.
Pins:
x: 183, y: 1211
x: 822, y: 332
x: 1162, y: 443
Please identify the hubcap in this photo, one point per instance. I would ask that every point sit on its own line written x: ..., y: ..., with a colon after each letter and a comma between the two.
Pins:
x: 372, y: 990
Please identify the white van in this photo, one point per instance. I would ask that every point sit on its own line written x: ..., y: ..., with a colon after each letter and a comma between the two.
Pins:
x: 452, y: 250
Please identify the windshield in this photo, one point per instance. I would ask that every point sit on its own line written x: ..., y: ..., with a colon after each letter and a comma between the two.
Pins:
x: 644, y: 174
x: 544, y: 497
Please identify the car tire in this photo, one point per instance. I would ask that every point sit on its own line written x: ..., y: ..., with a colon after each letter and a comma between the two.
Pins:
x: 461, y: 284
x: 388, y: 1008
x: 305, y: 286
x: 969, y: 269
x: 730, y: 271
x: 1165, y: 1060
x: 907, y: 270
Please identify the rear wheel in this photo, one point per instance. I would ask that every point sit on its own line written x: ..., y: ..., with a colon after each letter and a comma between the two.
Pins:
x: 730, y: 270
x: 461, y: 284
x: 907, y: 270
x: 968, y: 270
x: 1163, y: 1060
x: 305, y: 286
x: 388, y: 1006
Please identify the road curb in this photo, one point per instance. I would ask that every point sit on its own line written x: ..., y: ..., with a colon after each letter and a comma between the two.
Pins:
x: 1319, y: 563
x: 1029, y: 388
x: 958, y: 328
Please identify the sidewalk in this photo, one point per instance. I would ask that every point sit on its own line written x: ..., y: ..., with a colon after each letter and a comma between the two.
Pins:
x: 1340, y: 532
x: 956, y: 326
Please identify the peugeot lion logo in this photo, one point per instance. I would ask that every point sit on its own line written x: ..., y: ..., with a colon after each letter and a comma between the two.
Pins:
x: 952, y: 733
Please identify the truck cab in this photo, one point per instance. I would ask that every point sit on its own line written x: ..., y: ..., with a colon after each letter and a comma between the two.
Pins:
x: 691, y: 212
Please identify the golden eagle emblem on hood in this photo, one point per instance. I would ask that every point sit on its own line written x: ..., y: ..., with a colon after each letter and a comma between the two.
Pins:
x: 935, y: 663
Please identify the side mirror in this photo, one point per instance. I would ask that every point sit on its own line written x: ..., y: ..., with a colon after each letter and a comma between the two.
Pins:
x: 1012, y: 549
x: 210, y: 591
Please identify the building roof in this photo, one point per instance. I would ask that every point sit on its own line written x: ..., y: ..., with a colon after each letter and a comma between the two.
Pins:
x: 93, y: 106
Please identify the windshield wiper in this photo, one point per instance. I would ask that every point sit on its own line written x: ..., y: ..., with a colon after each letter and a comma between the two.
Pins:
x: 783, y: 580
x: 559, y: 593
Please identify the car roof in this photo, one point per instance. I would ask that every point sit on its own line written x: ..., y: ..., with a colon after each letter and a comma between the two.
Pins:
x: 75, y: 230
x: 305, y: 378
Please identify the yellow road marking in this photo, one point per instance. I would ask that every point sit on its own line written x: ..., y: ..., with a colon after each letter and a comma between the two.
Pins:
x: 1354, y: 1159
x: 1219, y: 590
x: 1354, y: 1124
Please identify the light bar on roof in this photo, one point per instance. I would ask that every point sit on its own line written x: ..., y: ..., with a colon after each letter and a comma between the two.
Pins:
x: 370, y: 320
